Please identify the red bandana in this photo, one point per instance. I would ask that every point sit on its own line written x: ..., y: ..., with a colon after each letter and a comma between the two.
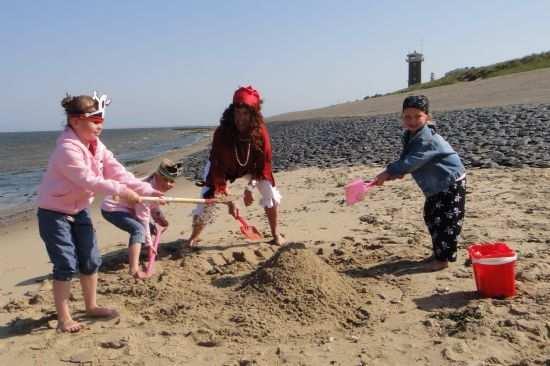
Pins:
x: 247, y: 95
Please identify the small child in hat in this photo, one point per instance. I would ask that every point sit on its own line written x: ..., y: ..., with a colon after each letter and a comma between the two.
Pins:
x: 140, y: 219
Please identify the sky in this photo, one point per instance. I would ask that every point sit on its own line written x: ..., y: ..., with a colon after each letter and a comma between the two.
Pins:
x: 177, y: 63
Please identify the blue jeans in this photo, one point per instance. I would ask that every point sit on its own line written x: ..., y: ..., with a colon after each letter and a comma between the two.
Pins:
x: 127, y: 222
x: 71, y: 243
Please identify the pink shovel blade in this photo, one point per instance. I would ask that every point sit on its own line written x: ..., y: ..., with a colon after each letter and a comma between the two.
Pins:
x: 250, y: 232
x: 153, y: 251
x: 356, y: 190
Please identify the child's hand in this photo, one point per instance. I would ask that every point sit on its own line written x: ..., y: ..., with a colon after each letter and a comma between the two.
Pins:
x: 381, y: 178
x: 248, y: 198
x: 160, y: 195
x: 162, y: 222
x: 221, y: 193
x: 130, y: 196
x: 157, y: 193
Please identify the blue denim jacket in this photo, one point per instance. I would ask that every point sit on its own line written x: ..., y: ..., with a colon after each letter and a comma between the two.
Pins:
x: 430, y: 159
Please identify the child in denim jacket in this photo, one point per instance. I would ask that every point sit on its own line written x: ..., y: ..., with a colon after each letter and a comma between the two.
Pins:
x: 438, y: 171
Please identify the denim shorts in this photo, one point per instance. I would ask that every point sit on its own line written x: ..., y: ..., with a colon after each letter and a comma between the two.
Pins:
x: 71, y: 243
x: 127, y: 222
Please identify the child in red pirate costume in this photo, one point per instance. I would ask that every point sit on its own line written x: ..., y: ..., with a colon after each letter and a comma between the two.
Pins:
x: 241, y: 147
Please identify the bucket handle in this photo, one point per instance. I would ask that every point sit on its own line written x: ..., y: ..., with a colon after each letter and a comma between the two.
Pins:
x: 494, y: 261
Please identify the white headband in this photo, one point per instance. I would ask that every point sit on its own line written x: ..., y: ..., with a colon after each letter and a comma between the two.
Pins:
x: 102, y: 102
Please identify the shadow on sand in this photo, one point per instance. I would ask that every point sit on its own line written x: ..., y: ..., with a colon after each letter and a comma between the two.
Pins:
x: 453, y: 300
x: 401, y: 267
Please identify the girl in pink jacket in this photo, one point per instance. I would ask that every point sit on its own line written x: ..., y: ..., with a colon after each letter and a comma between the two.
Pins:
x: 80, y: 167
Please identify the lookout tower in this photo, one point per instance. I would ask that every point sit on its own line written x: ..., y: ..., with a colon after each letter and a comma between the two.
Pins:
x: 415, y: 67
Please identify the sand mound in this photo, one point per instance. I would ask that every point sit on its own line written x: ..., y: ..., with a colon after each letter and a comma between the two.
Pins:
x: 296, y: 285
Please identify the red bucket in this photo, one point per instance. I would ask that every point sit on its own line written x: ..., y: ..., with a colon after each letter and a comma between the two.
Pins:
x: 494, y: 269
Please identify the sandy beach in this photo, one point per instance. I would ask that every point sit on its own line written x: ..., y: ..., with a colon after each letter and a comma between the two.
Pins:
x: 350, y: 285
x: 348, y: 289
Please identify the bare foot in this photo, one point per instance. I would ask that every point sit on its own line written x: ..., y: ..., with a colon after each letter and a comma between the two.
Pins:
x: 191, y: 243
x: 278, y: 240
x: 188, y: 246
x: 104, y: 313
x: 69, y: 326
x: 138, y: 274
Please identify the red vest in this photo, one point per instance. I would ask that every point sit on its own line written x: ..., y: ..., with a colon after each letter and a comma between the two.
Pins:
x: 224, y: 165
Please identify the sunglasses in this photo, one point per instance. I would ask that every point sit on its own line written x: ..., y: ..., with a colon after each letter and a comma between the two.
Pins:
x: 96, y: 119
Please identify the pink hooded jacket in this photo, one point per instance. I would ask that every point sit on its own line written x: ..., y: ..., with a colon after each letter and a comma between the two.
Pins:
x: 74, y: 176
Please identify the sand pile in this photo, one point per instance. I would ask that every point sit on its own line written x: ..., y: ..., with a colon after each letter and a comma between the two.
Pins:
x: 294, y: 292
x: 297, y: 286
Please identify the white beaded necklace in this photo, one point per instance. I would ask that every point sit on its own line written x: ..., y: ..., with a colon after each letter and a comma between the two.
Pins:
x: 247, y: 156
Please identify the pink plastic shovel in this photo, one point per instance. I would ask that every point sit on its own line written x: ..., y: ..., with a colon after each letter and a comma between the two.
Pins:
x: 356, y: 190
x: 250, y: 232
x: 153, y: 251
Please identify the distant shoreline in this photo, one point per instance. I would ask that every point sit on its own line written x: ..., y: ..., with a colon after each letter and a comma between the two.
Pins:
x: 175, y: 128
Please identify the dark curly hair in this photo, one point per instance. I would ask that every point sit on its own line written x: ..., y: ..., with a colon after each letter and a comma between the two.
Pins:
x: 230, y: 132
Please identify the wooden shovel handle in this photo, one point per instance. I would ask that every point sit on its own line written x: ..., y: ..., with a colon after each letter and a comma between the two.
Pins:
x: 208, y: 201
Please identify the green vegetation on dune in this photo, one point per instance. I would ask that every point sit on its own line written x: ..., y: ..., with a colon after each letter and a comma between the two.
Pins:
x: 527, y: 63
